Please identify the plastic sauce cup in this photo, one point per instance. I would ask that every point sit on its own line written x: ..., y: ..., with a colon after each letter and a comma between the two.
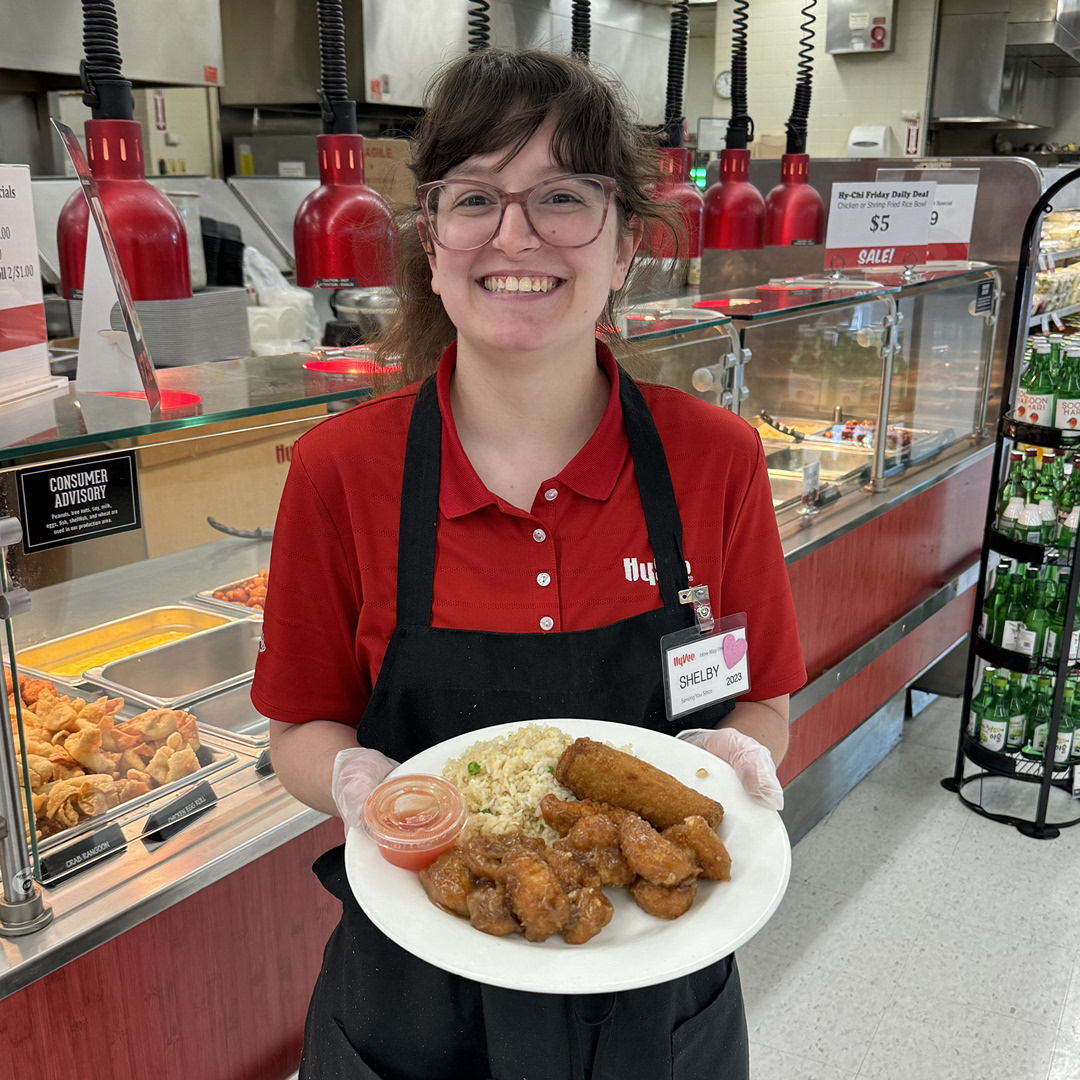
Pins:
x: 414, y: 819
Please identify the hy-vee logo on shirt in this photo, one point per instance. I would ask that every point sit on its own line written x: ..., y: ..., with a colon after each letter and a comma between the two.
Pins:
x: 636, y: 570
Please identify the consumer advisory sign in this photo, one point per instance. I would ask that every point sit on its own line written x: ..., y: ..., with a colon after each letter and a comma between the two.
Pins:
x: 78, y: 500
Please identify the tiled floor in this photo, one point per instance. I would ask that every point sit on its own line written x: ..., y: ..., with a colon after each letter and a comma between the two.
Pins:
x: 918, y: 940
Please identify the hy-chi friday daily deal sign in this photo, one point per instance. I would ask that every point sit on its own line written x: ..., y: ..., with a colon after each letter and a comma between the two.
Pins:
x: 878, y: 224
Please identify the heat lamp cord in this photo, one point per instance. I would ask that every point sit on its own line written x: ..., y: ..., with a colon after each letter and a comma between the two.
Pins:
x: 676, y: 67
x: 580, y: 29
x: 740, y: 129
x: 479, y: 25
x: 338, y: 111
x: 800, y: 111
x: 105, y: 89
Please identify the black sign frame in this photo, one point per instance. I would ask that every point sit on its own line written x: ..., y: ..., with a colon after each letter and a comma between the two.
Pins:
x: 37, y: 503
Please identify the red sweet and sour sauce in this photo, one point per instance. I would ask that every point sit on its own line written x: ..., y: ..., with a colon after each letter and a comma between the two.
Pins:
x: 414, y: 819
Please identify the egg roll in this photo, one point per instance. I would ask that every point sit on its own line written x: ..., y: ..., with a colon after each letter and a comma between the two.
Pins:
x: 592, y: 770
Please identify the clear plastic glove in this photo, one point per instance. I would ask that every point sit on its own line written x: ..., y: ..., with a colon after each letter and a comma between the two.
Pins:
x: 358, y: 771
x: 752, y: 762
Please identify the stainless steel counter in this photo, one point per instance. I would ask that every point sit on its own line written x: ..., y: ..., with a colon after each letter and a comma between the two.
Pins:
x: 255, y: 815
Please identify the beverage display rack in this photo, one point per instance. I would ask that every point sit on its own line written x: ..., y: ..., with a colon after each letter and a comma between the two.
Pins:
x: 1013, y: 766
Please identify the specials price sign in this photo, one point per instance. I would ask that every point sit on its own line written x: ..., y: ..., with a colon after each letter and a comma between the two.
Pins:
x: 878, y: 224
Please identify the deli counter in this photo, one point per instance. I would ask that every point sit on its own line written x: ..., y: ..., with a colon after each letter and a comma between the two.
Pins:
x: 173, y: 864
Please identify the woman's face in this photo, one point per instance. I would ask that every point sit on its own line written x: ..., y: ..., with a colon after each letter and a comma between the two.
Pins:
x: 491, y: 318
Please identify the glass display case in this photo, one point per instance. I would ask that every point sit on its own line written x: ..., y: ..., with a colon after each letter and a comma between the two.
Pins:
x: 823, y: 363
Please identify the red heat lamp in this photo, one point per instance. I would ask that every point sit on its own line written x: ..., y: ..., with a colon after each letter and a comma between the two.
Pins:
x: 677, y: 187
x: 734, y: 208
x: 149, y: 234
x: 343, y: 233
x: 794, y: 211
x: 674, y: 160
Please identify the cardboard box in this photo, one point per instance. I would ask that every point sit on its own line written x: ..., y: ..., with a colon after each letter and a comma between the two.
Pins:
x: 386, y: 169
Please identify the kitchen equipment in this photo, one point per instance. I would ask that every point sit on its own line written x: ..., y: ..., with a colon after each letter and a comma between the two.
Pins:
x: 343, y: 233
x: 148, y: 231
x: 176, y: 674
x: 187, y: 206
x: 734, y: 208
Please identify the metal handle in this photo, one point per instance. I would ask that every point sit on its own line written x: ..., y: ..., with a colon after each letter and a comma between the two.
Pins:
x: 22, y: 908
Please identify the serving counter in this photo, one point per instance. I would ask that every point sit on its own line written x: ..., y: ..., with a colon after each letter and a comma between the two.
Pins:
x: 190, y: 947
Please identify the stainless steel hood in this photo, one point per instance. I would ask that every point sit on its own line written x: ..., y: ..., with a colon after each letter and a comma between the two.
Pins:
x: 998, y: 61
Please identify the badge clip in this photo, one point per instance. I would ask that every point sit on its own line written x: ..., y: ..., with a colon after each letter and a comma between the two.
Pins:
x: 698, y: 596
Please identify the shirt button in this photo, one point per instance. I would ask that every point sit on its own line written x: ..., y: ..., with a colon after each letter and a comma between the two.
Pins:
x: 551, y: 494
x: 539, y: 535
x: 546, y: 623
x: 543, y: 579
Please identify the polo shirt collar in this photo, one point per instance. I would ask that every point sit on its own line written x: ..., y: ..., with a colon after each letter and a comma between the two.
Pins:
x: 592, y: 472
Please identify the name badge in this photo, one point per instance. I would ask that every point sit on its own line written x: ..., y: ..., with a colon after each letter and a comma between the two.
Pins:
x: 701, y: 669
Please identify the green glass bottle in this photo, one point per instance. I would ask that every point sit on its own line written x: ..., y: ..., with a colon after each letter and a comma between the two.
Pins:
x: 1063, y: 749
x: 1067, y: 392
x: 1066, y: 539
x: 1057, y: 354
x: 1039, y: 719
x: 1045, y: 497
x: 994, y: 724
x: 1032, y: 639
x: 1035, y: 393
x: 1016, y: 704
x: 1014, y: 482
x: 994, y: 599
x: 981, y: 702
x: 1010, y: 625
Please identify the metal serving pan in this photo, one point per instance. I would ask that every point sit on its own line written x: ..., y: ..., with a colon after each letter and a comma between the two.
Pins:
x: 836, y: 463
x: 172, y: 676
x: 212, y: 759
x: 231, y: 715
x: 206, y: 596
x: 75, y: 650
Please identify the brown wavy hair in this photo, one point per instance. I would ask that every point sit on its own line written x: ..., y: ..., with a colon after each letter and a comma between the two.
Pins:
x: 496, y: 100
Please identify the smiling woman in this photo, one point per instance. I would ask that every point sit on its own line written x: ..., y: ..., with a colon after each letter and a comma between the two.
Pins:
x: 451, y: 556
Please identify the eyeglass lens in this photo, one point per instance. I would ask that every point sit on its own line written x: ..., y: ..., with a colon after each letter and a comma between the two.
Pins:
x: 565, y: 213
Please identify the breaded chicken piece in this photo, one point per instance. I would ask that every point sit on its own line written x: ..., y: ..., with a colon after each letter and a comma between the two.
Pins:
x: 657, y: 860
x: 448, y: 883
x: 572, y: 873
x: 703, y: 846
x: 489, y: 911
x: 663, y: 901
x: 536, y: 897
x: 594, y: 841
x: 562, y: 816
x: 590, y: 912
x: 592, y: 770
x: 484, y: 852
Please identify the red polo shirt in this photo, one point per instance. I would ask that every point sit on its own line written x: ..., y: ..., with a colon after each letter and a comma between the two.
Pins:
x: 578, y: 559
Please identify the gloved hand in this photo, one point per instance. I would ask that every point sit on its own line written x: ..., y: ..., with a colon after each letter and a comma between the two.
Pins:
x: 752, y: 762
x: 358, y: 771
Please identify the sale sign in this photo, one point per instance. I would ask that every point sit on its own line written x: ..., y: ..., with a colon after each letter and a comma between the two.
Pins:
x: 954, y: 208
x: 878, y: 224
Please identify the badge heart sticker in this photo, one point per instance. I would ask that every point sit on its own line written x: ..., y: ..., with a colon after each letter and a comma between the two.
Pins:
x: 734, y: 650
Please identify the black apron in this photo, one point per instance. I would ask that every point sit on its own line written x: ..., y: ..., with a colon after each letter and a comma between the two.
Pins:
x: 379, y: 1012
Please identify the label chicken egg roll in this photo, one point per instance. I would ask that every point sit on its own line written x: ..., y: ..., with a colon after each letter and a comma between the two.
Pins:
x: 592, y: 770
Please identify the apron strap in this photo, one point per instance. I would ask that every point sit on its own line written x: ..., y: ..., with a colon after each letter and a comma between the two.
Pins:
x: 657, y: 494
x: 419, y: 509
x: 420, y: 501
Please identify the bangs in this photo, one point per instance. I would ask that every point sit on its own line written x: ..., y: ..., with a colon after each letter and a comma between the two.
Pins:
x: 495, y: 101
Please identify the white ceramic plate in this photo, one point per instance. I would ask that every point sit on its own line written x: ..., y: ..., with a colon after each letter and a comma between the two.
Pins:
x: 634, y: 949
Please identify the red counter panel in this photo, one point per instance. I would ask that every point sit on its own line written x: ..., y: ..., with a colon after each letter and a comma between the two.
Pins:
x: 215, y: 988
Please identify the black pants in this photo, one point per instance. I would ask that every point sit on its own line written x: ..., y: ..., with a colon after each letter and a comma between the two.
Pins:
x: 379, y: 1013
